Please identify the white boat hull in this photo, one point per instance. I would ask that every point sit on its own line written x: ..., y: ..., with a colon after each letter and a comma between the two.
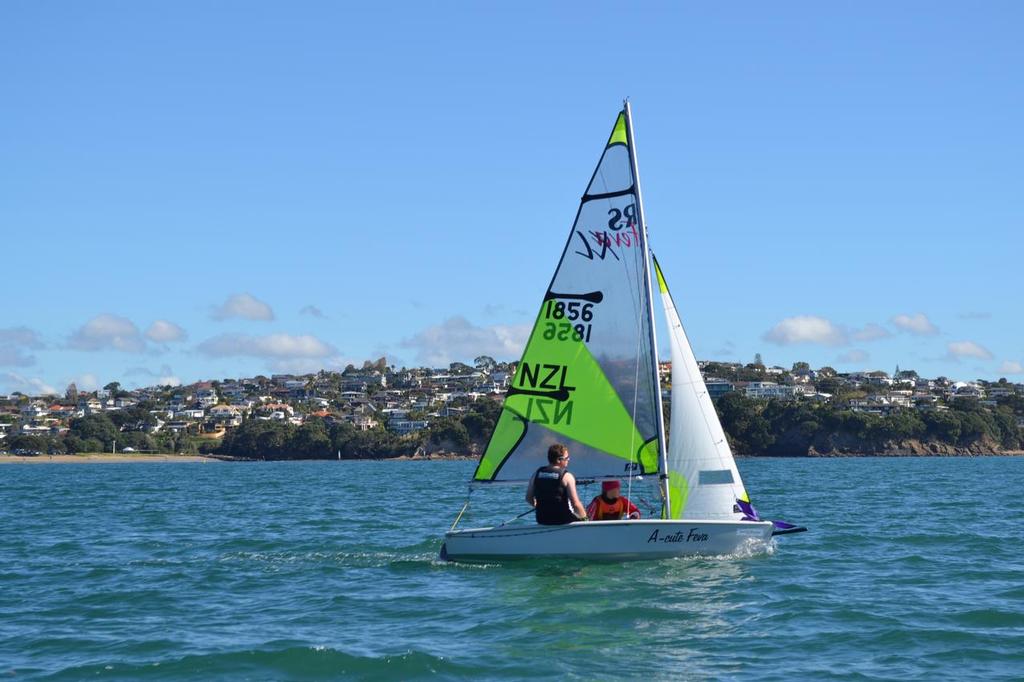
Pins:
x: 608, y: 540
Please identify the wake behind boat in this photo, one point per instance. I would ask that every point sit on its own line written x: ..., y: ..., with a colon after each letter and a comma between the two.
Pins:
x: 588, y: 378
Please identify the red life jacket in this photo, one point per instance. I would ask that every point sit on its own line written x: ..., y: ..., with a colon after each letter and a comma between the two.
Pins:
x: 601, y: 509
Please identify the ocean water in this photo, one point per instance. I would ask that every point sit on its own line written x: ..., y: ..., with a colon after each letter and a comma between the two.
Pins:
x: 912, y: 569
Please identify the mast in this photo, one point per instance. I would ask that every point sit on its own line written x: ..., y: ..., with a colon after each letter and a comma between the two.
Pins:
x: 662, y: 450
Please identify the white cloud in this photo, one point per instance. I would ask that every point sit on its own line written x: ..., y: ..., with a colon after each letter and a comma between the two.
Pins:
x: 20, y: 336
x: 286, y: 353
x: 27, y: 385
x: 12, y: 356
x: 86, y: 382
x: 312, y: 311
x: 274, y: 346
x: 14, y: 344
x: 854, y: 356
x: 163, y: 377
x: 917, y: 324
x: 458, y: 339
x: 245, y: 306
x: 306, y: 365
x: 108, y: 332
x: 728, y: 349
x: 968, y: 349
x: 1011, y: 367
x: 806, y: 329
x: 871, y: 332
x: 163, y: 331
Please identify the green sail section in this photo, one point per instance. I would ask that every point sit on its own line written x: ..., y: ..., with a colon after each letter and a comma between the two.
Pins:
x: 678, y: 490
x: 507, y: 434
x: 619, y: 131
x: 559, y: 385
x: 662, y: 285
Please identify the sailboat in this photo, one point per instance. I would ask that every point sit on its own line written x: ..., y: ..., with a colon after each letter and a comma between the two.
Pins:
x: 589, y: 379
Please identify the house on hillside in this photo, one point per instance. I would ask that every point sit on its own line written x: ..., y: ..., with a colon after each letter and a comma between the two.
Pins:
x: 717, y: 387
x: 182, y: 427
x: 969, y: 390
x: 33, y: 410
x: 206, y: 397
x: 406, y: 426
x: 803, y: 375
x: 232, y: 391
x: 62, y: 411
x: 363, y: 422
x: 270, y: 409
x: 901, y: 399
x: 764, y: 390
x: 905, y: 376
x: 877, y: 378
x: 877, y: 405
x: 226, y: 416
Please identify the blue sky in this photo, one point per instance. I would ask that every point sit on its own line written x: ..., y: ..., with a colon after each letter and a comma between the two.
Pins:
x: 197, y: 190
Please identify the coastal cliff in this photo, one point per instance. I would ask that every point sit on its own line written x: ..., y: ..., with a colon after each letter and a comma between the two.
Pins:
x: 852, y: 447
x: 801, y: 429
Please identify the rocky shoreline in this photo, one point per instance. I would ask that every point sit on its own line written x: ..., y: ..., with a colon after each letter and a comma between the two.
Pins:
x: 908, y: 448
x: 895, y: 453
x: 102, y: 458
x: 899, y: 449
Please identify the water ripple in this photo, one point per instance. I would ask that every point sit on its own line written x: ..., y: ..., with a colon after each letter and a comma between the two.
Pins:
x: 320, y: 570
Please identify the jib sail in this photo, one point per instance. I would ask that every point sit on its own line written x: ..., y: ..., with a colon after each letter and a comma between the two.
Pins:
x: 703, y: 480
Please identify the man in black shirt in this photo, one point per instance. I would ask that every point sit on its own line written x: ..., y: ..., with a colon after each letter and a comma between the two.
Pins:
x: 552, y: 491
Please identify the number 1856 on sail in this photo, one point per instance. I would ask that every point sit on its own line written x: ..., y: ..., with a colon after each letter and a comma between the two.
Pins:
x: 565, y: 315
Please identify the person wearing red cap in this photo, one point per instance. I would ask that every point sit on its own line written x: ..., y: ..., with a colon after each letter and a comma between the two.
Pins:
x: 610, y: 506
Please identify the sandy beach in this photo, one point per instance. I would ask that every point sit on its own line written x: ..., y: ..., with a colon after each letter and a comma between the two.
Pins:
x: 101, y: 457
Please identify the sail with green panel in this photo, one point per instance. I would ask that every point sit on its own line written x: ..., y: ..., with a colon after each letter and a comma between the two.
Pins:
x: 586, y: 376
x: 703, y: 480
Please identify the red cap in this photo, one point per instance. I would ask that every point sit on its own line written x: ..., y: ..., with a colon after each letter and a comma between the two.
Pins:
x: 610, y: 485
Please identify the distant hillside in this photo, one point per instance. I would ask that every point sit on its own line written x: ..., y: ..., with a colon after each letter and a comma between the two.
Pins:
x: 800, y: 428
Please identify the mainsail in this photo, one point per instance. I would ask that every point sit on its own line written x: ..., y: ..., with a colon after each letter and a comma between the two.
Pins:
x: 588, y: 377
x: 704, y: 482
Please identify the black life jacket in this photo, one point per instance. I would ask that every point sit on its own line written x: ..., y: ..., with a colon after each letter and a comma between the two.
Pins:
x: 552, y: 497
